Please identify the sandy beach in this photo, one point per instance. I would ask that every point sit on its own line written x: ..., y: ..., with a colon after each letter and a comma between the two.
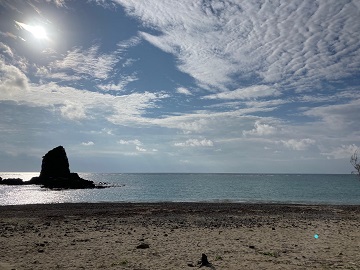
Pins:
x: 175, y: 235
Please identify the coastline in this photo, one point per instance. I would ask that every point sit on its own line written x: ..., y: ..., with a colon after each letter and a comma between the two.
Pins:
x: 115, y: 208
x: 232, y: 235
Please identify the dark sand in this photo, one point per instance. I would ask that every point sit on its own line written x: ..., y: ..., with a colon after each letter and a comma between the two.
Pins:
x: 233, y: 236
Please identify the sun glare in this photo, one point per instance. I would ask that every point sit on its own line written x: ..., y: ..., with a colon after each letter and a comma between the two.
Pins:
x: 37, y: 31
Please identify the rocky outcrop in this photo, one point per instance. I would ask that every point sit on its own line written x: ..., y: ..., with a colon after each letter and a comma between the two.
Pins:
x: 71, y: 181
x: 55, y: 172
x: 55, y: 164
x: 11, y: 181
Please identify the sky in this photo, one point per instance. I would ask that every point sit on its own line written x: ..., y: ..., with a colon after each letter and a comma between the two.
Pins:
x: 180, y: 86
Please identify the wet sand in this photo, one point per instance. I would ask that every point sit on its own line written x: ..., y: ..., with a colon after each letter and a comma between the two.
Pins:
x: 175, y: 235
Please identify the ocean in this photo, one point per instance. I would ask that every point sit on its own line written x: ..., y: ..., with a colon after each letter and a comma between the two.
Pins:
x: 194, y: 187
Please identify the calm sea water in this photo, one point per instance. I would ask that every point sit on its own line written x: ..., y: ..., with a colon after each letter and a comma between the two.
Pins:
x: 253, y: 188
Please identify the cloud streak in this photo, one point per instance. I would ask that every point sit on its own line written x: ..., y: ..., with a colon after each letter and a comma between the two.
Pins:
x: 87, y: 62
x: 298, y: 144
x: 195, y: 143
x: 73, y: 103
x: 296, y: 45
x: 252, y: 92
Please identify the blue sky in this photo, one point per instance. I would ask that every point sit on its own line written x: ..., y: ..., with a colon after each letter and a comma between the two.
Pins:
x: 180, y: 86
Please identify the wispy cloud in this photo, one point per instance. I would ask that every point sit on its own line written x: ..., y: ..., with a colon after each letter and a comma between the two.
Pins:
x: 124, y: 81
x: 124, y: 45
x: 89, y: 143
x: 13, y: 80
x: 206, y: 121
x: 71, y: 102
x: 299, y: 145
x: 337, y: 116
x: 184, y: 91
x: 7, y: 34
x: 296, y: 45
x: 59, y: 3
x: 127, y: 142
x: 344, y: 151
x: 195, y: 143
x: 257, y: 91
x: 6, y: 49
x: 139, y: 146
x: 260, y: 129
x: 87, y: 62
x: 130, y: 109
x: 73, y: 110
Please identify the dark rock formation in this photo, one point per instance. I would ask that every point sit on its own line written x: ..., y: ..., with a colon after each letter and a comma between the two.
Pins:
x: 55, y: 172
x: 71, y: 181
x: 11, y: 181
x: 55, y: 164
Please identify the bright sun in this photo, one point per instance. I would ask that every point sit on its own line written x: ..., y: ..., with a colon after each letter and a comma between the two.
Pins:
x: 38, y: 32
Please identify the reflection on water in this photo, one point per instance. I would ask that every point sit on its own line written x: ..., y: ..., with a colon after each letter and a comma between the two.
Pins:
x: 30, y: 195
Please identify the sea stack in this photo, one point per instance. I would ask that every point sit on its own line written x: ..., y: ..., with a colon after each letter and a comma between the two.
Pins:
x: 55, y: 163
x: 55, y: 172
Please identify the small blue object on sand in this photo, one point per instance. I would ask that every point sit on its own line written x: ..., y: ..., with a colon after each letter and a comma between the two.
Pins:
x: 316, y: 236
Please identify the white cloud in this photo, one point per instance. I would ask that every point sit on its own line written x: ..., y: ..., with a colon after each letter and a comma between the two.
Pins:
x: 128, y: 43
x: 295, y: 44
x: 338, y: 116
x: 129, y: 108
x: 74, y: 103
x: 13, y: 80
x: 42, y: 71
x: 93, y: 63
x: 6, y: 49
x: 73, y: 111
x: 260, y: 129
x: 8, y: 35
x: 256, y: 91
x: 302, y: 144
x: 207, y: 120
x: 59, y: 3
x: 134, y: 142
x: 107, y: 131
x: 272, y: 103
x: 138, y: 146
x: 184, y: 91
x: 49, y: 74
x: 124, y: 81
x: 87, y: 62
x: 344, y: 151
x: 195, y: 143
x: 140, y: 149
x: 89, y: 143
